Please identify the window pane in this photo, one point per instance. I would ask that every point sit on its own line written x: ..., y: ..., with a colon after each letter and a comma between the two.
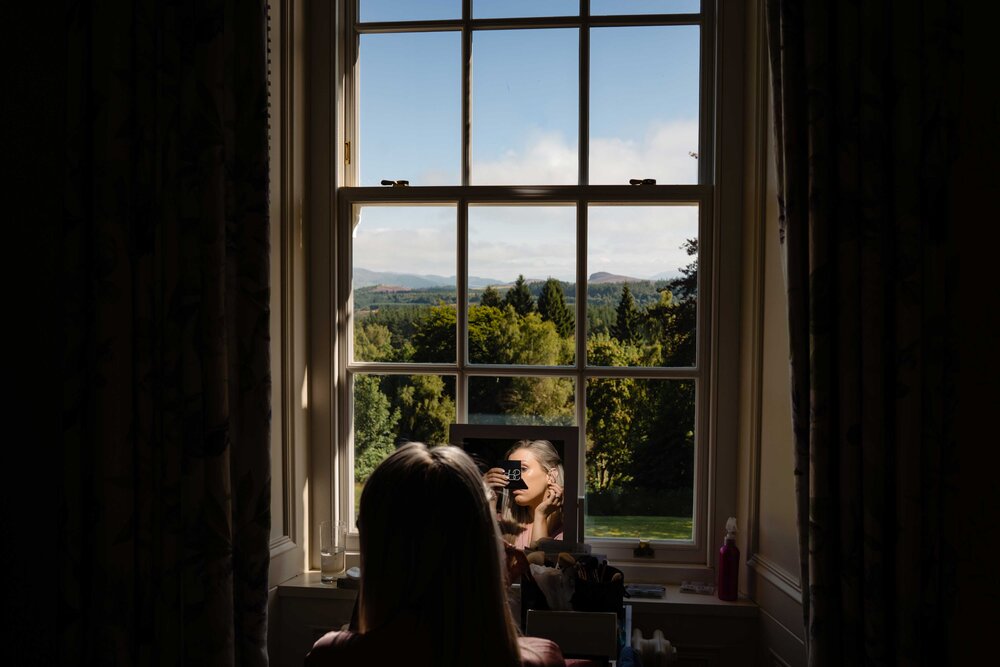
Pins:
x: 521, y: 400
x: 403, y: 267
x: 644, y: 7
x: 409, y: 10
x: 640, y: 459
x: 644, y: 104
x: 642, y: 294
x: 525, y: 106
x: 392, y: 409
x: 410, y: 108
x: 490, y: 9
x: 523, y: 257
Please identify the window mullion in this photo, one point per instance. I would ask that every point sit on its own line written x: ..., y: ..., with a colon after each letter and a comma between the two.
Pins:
x: 462, y: 314
x: 581, y: 339
x: 706, y: 103
x: 583, y: 156
x: 466, y: 91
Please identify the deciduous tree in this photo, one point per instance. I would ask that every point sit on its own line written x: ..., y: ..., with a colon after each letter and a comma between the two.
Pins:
x: 375, y: 424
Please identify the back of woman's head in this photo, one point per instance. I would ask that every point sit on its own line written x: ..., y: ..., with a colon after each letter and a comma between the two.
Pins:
x: 430, y: 547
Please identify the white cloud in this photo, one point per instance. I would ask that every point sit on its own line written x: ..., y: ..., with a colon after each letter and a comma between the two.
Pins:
x: 663, y: 154
x: 539, y: 241
x: 550, y: 158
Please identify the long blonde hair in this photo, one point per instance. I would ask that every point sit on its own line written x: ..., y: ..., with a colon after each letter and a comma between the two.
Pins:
x: 413, y: 560
x: 514, y: 517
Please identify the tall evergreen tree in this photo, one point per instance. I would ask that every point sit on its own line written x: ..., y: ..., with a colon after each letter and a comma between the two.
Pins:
x: 626, y: 327
x: 519, y: 297
x: 552, y: 307
x: 491, y: 297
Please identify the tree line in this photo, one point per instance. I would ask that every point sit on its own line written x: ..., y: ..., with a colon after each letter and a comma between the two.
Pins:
x: 640, y: 432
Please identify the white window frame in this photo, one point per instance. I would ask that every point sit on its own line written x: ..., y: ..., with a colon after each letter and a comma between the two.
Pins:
x: 718, y: 195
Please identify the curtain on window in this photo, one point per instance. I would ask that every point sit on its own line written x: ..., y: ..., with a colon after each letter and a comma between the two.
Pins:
x: 165, y: 487
x: 864, y: 99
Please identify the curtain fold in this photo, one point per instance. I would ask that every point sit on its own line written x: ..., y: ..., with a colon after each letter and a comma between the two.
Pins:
x: 166, y: 401
x: 865, y: 97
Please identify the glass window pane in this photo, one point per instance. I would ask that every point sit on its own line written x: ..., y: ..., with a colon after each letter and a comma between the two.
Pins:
x: 410, y: 108
x: 525, y: 115
x: 640, y: 459
x: 642, y: 294
x: 598, y: 7
x: 523, y: 257
x: 392, y: 409
x: 644, y: 104
x: 410, y: 10
x: 490, y: 9
x: 521, y: 400
x: 403, y: 267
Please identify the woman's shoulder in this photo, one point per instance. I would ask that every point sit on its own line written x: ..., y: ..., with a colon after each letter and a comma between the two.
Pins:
x: 538, y: 652
x: 398, y: 644
x: 332, y: 644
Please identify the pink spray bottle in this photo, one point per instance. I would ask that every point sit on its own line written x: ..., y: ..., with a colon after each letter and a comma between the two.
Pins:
x: 728, y: 570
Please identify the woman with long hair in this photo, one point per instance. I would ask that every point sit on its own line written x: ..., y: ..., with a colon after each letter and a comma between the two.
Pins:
x: 433, y: 574
x: 530, y: 514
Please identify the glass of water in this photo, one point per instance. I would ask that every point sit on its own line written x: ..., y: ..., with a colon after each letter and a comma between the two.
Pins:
x: 332, y: 549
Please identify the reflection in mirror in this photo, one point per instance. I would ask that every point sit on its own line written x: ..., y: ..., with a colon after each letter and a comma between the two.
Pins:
x: 539, y: 500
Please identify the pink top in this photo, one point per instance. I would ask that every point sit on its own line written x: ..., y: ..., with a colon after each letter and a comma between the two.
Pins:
x: 523, y: 540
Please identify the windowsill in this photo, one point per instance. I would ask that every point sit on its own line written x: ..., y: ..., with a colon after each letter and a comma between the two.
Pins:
x: 308, y: 585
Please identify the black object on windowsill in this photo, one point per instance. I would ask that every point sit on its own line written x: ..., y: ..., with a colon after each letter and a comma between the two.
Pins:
x: 643, y: 550
x: 395, y: 184
x: 639, y: 181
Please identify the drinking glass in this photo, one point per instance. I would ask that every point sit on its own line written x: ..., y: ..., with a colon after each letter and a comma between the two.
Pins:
x: 332, y: 549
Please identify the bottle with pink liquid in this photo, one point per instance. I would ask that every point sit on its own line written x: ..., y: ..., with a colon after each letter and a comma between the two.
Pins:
x: 728, y: 569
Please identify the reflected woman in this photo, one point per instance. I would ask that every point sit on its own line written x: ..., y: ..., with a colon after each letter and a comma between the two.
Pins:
x: 530, y: 514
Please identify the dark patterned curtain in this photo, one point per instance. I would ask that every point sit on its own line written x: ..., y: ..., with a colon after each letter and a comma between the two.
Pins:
x: 165, y: 479
x: 864, y: 99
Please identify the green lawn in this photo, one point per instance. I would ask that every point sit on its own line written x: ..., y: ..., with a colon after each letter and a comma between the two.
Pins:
x: 640, y: 527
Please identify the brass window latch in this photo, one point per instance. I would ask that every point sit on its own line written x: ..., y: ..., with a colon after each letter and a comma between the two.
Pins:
x: 395, y: 184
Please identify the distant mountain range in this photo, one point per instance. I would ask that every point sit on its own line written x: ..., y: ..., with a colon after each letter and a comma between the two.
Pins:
x: 367, y: 278
x: 605, y: 277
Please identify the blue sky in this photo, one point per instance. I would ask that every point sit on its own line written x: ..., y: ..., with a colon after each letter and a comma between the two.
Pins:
x: 525, y: 125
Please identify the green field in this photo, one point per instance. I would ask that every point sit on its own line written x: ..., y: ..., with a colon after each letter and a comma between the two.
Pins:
x: 637, y: 527
x: 640, y: 527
